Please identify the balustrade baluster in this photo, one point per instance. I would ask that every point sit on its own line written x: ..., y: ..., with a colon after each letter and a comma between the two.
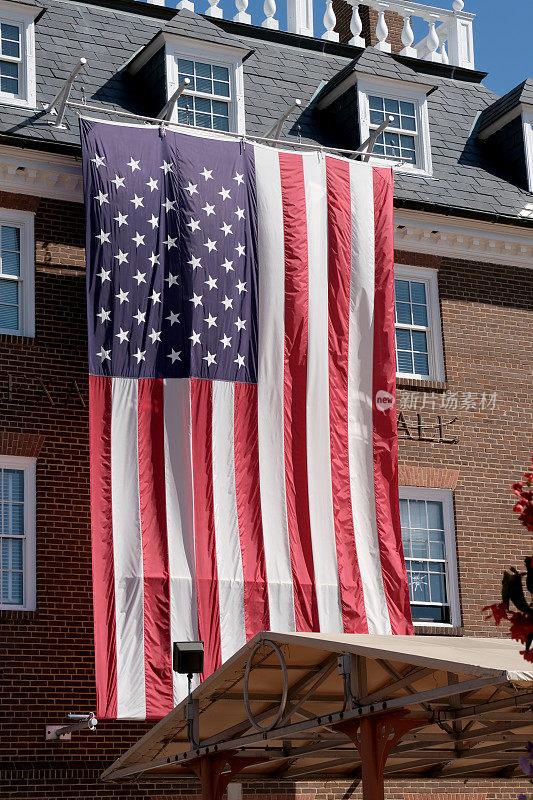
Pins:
x: 214, y: 10
x: 356, y: 26
x: 444, y: 53
x: 269, y: 7
x: 382, y: 32
x: 330, y: 20
x: 241, y: 15
x: 408, y: 38
x: 432, y: 43
x: 185, y: 4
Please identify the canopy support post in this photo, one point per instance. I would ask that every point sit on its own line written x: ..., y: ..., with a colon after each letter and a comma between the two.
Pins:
x: 217, y: 771
x: 374, y: 738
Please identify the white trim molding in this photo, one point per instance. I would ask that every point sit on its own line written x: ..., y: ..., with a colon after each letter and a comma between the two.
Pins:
x: 527, y: 128
x: 24, y: 220
x: 23, y: 17
x: 212, y: 53
x: 444, y: 496
x: 28, y: 465
x: 469, y: 240
x: 41, y: 174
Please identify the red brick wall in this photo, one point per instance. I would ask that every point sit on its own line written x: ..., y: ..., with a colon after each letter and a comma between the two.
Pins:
x: 47, y: 655
x: 369, y: 19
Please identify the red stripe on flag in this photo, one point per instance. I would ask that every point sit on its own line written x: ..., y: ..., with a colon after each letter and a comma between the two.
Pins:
x: 339, y: 279
x: 246, y: 449
x: 295, y: 390
x: 204, y: 523
x: 105, y: 642
x: 384, y: 421
x: 156, y: 579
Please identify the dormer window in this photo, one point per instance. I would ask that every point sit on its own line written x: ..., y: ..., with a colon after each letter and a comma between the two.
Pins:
x: 399, y: 140
x: 17, y: 54
x: 405, y: 143
x: 207, y: 101
x: 214, y: 98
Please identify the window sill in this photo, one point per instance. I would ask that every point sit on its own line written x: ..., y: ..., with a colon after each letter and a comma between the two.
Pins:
x: 421, y: 629
x: 404, y: 382
x: 17, y: 339
x: 20, y: 102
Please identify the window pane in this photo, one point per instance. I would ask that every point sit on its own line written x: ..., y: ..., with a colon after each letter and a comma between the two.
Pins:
x: 221, y: 73
x: 221, y: 123
x: 404, y: 514
x: 375, y: 102
x: 10, y: 40
x: 9, y: 77
x: 401, y: 290
x: 430, y: 613
x: 421, y: 364
x: 417, y: 513
x: 204, y: 85
x: 403, y: 339
x: 200, y: 104
x: 420, y: 315
x: 13, y: 519
x: 437, y: 549
x: 376, y: 117
x: 203, y: 120
x: 408, y: 124
x: 13, y: 485
x: 418, y: 292
x: 221, y: 88
x: 435, y: 515
x: 437, y: 583
x: 403, y: 313
x: 405, y: 362
x: 407, y: 108
x: 419, y: 544
x: 419, y: 582
x: 202, y: 70
x: 9, y: 292
x: 12, y: 565
x: 185, y: 66
x: 392, y: 106
x: 12, y: 588
x: 419, y: 341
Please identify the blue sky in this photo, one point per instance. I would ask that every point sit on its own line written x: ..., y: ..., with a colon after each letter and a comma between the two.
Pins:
x: 502, y: 34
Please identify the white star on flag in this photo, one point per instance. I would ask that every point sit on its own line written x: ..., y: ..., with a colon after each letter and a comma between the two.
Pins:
x: 98, y: 161
x: 226, y: 341
x: 134, y: 164
x: 195, y: 338
x: 155, y: 336
x: 175, y: 355
x: 225, y: 194
x: 140, y: 355
x: 102, y: 198
x: 207, y: 173
x: 140, y: 316
x: 104, y: 315
x: 119, y: 182
x: 123, y: 336
x: 172, y: 318
x: 210, y: 358
x: 121, y: 219
x: 103, y: 237
x: 138, y: 238
x: 122, y: 296
x: 104, y: 354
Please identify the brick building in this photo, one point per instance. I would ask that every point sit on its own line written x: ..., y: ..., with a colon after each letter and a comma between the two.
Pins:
x: 464, y: 251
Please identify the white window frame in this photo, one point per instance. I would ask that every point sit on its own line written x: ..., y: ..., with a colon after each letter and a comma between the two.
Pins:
x: 444, y: 496
x: 527, y: 126
x: 218, y: 55
x: 433, y: 332
x: 23, y: 18
x: 24, y: 220
x: 397, y: 90
x: 28, y: 465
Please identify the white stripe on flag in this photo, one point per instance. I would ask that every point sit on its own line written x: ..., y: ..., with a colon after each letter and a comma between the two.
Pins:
x: 229, y: 560
x: 180, y: 522
x: 129, y: 595
x: 318, y: 438
x: 271, y: 261
x: 360, y: 377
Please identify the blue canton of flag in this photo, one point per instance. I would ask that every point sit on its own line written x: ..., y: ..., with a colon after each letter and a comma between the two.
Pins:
x: 172, y: 269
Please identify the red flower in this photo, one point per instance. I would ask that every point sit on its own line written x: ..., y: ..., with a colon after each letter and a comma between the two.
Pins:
x: 498, y: 610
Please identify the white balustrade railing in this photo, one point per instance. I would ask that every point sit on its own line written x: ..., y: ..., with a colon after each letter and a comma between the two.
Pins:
x: 449, y: 38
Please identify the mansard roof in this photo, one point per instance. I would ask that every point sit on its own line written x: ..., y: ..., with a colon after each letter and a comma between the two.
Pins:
x: 280, y: 67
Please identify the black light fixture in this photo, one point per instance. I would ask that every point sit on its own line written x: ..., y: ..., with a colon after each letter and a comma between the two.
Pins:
x: 188, y: 658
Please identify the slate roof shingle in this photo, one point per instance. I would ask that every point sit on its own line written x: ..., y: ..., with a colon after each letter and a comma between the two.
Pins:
x: 280, y: 68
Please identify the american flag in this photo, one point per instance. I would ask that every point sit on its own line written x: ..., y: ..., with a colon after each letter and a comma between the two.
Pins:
x: 242, y: 391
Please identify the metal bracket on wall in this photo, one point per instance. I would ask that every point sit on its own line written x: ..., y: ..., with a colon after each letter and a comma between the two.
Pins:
x: 79, y: 722
x: 58, y: 105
